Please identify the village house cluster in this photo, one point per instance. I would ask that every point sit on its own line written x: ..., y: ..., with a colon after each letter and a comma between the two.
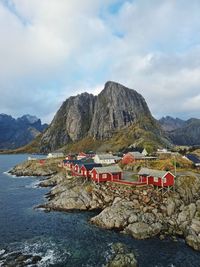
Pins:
x: 104, y: 167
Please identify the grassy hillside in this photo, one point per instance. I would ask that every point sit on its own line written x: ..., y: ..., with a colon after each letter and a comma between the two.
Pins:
x: 120, y: 140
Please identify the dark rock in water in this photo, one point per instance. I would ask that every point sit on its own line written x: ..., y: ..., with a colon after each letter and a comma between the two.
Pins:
x: 121, y: 257
x: 18, y: 259
x: 35, y: 259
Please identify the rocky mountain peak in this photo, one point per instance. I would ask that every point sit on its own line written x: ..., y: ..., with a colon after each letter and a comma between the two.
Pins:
x: 97, y: 117
x: 169, y: 123
x: 116, y: 107
x: 29, y: 118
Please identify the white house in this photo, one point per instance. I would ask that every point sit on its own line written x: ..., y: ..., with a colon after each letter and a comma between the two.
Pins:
x: 106, y: 159
x: 55, y: 155
x: 144, y: 152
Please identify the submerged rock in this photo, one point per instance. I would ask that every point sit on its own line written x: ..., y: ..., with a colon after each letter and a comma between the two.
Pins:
x: 121, y: 257
x: 18, y: 259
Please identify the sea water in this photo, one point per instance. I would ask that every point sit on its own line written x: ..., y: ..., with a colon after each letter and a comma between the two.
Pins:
x: 67, y: 238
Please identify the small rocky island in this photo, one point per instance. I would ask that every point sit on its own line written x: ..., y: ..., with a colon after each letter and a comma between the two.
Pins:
x: 139, y: 211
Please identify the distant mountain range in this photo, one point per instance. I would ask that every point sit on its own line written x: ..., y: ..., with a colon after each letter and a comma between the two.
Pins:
x: 15, y: 133
x: 117, y: 118
x: 181, y: 132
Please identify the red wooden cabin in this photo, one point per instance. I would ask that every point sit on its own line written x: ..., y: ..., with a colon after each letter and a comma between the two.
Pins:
x: 77, y: 168
x: 86, y: 168
x: 109, y: 173
x: 156, y: 177
x: 70, y: 163
x: 132, y: 157
x: 42, y: 161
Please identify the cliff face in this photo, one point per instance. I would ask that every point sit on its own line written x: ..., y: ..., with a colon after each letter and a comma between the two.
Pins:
x: 15, y: 133
x: 182, y: 132
x: 71, y: 123
x: 116, y: 107
x: 98, y: 117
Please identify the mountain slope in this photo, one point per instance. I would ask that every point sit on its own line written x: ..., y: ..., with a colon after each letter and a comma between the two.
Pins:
x: 15, y: 133
x: 103, y: 122
x: 169, y: 124
x: 182, y: 132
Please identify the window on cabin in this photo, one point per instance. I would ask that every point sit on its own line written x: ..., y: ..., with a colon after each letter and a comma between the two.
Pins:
x: 156, y: 179
x: 164, y: 180
x: 104, y: 176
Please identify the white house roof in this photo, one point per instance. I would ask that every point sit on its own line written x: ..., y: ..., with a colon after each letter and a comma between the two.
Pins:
x: 108, y: 169
x: 107, y: 156
x: 151, y: 172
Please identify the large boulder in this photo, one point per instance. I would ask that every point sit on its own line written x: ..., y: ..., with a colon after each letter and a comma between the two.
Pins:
x: 115, y: 216
x: 193, y: 241
x: 141, y: 230
x: 170, y: 207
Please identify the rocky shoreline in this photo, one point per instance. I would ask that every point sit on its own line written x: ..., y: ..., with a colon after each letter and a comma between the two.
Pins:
x: 142, y: 212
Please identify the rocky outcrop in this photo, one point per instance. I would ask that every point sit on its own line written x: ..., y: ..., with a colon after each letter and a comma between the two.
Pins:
x: 100, y: 117
x: 15, y: 133
x: 121, y: 257
x: 141, y: 230
x: 36, y: 168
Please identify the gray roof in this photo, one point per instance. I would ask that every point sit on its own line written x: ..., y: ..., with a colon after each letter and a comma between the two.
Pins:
x: 136, y: 154
x: 107, y: 156
x: 108, y: 169
x: 194, y: 158
x: 151, y: 172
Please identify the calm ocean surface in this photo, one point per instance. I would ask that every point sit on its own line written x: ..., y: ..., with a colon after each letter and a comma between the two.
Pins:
x: 67, y: 239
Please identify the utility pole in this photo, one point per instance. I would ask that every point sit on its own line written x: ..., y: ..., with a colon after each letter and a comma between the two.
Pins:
x: 175, y: 164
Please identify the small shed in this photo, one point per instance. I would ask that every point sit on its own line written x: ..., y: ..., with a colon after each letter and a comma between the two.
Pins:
x: 108, y: 173
x: 156, y: 177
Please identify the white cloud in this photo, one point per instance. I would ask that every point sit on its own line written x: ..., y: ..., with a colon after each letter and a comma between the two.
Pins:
x: 52, y: 49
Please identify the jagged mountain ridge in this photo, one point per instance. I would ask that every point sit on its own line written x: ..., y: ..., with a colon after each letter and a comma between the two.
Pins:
x: 18, y: 132
x: 182, y: 132
x: 102, y: 117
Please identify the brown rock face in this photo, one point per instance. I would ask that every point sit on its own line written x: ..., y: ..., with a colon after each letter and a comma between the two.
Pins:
x: 116, y: 107
x: 98, y: 117
x: 71, y: 122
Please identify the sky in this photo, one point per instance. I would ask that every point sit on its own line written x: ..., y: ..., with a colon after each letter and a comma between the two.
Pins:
x: 52, y: 49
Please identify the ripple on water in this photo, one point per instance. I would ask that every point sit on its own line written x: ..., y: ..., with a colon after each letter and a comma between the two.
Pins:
x: 51, y: 253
